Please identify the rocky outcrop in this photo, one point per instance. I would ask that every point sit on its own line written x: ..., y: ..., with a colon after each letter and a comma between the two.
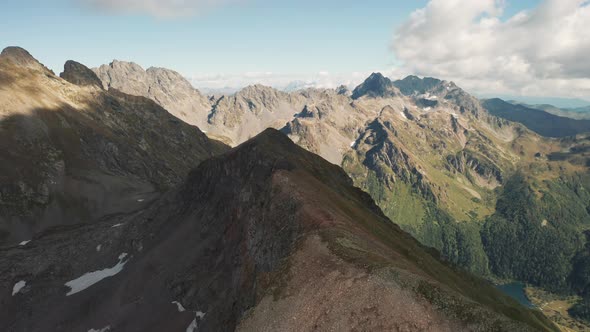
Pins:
x: 78, y: 74
x: 391, y: 163
x: 473, y: 165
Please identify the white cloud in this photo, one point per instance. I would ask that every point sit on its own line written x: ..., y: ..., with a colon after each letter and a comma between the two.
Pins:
x: 323, y: 79
x: 158, y: 8
x: 542, y: 51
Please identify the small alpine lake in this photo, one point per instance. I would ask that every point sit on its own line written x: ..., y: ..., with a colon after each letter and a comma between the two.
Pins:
x: 516, y: 291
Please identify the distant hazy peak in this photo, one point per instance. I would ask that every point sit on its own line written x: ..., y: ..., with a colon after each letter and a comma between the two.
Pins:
x: 343, y: 90
x: 376, y: 86
x: 259, y: 91
x: 78, y: 74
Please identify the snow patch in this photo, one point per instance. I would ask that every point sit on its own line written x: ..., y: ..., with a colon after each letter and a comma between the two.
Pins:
x: 98, y: 247
x: 194, y: 325
x: 18, y: 286
x: 403, y: 114
x: 104, y: 329
x: 91, y: 278
x: 427, y: 109
x: 24, y: 243
x: 179, y: 306
x: 116, y: 225
x: 140, y: 200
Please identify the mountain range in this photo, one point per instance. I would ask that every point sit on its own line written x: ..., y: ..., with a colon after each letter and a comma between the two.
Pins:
x: 546, y: 121
x: 441, y: 163
x: 578, y: 113
x: 137, y: 220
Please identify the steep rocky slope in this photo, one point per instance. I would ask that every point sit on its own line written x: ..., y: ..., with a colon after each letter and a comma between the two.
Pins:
x: 265, y: 237
x: 71, y: 152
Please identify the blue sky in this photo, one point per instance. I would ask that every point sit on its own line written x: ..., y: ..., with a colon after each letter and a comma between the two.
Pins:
x: 292, y: 38
x: 260, y: 35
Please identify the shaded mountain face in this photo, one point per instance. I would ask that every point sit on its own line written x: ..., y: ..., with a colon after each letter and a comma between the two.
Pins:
x: 73, y: 153
x: 266, y: 237
x: 376, y: 86
x: 540, y: 121
x: 78, y: 74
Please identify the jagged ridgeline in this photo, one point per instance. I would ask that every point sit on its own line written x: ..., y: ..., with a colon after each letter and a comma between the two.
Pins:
x: 438, y: 164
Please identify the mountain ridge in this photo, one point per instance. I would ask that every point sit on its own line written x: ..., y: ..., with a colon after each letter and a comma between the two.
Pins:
x: 291, y: 230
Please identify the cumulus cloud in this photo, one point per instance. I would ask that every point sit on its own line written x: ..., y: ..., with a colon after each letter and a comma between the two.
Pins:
x: 157, y: 8
x: 541, y: 51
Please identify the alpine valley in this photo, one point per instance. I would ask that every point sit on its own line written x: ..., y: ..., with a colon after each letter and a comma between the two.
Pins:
x: 130, y: 201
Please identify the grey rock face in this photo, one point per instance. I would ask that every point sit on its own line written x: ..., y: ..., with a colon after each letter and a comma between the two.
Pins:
x: 78, y: 74
x: 166, y: 87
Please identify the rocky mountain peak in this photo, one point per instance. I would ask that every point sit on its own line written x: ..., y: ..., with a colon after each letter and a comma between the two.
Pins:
x: 18, y: 55
x: 78, y: 74
x: 376, y: 86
